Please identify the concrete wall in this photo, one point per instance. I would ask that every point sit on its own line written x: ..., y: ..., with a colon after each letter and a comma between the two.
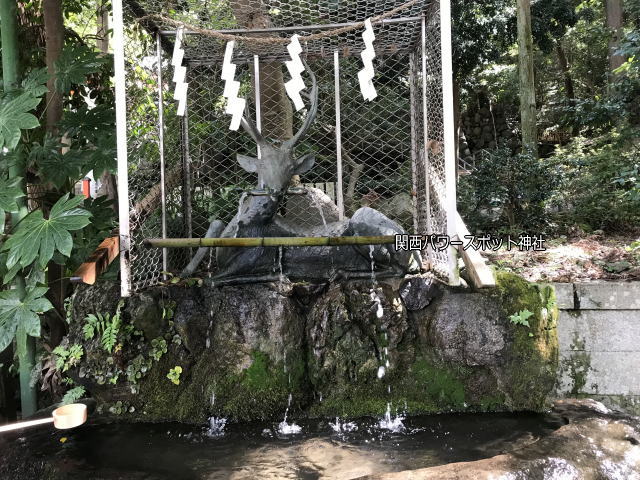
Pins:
x: 599, y: 336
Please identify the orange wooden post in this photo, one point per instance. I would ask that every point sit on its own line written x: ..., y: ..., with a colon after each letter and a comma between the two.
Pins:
x: 98, y: 262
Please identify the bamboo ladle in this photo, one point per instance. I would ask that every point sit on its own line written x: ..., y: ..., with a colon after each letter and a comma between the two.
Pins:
x: 67, y: 416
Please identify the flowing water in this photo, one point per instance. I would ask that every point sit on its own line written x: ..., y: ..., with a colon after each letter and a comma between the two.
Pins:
x: 323, y: 450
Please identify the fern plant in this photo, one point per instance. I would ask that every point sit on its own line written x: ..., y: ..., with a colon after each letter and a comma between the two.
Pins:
x: 521, y: 318
x: 73, y: 395
x: 106, y: 326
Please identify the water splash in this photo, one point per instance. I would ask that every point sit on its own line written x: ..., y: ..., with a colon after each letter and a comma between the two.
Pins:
x: 344, y: 427
x: 373, y: 266
x: 240, y: 203
x: 381, y: 371
x: 285, y: 428
x: 318, y: 205
x: 216, y: 427
x: 280, y: 253
x: 391, y: 423
x: 375, y: 298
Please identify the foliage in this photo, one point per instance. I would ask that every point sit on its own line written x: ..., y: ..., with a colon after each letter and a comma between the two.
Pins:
x: 9, y: 191
x: 15, y: 116
x: 106, y: 326
x: 73, y: 395
x: 521, y: 318
x: 174, y: 374
x: 599, y: 182
x: 16, y: 311
x: 158, y: 348
x: 507, y: 193
x: 37, y: 238
x: 74, y: 65
x: 66, y: 359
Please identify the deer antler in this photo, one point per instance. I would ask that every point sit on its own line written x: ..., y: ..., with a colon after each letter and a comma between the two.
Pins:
x: 251, y: 129
x: 311, y: 112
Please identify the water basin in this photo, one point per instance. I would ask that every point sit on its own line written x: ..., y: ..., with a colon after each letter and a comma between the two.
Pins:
x: 257, y: 450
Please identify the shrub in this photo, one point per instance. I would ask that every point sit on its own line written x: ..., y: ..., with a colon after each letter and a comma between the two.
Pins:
x: 507, y: 193
x: 599, y: 182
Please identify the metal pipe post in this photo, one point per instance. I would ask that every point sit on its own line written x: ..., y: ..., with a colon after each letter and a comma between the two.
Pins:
x: 414, y: 140
x: 449, y: 136
x: 121, y: 144
x: 186, y: 175
x: 425, y: 128
x: 256, y: 90
x: 163, y: 197
x: 336, y: 79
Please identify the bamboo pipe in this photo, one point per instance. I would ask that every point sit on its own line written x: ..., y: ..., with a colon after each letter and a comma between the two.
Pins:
x: 268, y: 242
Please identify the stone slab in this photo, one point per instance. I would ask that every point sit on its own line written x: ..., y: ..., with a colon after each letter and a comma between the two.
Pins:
x: 605, y: 373
x: 608, y: 296
x: 599, y: 330
x: 564, y: 296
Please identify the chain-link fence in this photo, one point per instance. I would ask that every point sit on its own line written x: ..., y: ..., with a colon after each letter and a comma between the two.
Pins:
x: 389, y: 160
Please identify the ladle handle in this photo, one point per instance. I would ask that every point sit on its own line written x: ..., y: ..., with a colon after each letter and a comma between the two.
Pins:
x: 29, y: 423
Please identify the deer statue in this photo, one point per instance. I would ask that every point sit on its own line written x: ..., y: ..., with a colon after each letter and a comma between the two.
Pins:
x: 258, y: 217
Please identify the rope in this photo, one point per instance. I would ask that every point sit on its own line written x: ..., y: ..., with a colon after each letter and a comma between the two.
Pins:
x: 272, y: 40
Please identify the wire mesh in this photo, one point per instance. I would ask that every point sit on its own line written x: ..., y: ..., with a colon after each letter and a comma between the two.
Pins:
x: 385, y: 164
x: 431, y: 194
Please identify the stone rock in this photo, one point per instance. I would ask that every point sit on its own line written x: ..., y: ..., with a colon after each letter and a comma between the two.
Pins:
x: 400, y: 207
x: 467, y: 329
x: 315, y: 208
x: 146, y: 311
x: 250, y: 346
x: 418, y: 292
x: 594, y: 444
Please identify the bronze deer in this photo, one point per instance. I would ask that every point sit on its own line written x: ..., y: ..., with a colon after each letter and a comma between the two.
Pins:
x: 257, y: 217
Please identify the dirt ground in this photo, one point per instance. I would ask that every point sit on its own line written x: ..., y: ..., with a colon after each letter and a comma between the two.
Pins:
x: 593, y: 257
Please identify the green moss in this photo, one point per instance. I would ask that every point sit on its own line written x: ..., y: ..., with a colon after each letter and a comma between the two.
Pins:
x: 262, y: 390
x: 532, y: 360
x: 442, y: 385
x: 577, y: 366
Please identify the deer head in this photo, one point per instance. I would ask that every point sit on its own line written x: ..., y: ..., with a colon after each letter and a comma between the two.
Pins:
x: 277, y: 163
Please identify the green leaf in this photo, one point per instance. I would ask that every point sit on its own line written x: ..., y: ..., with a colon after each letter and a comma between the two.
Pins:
x: 73, y: 395
x: 10, y: 191
x: 89, y: 124
x: 16, y: 312
x: 74, y: 64
x: 35, y: 82
x: 38, y: 238
x: 14, y: 117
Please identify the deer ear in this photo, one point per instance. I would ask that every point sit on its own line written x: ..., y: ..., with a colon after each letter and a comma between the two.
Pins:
x: 250, y: 164
x: 304, y: 163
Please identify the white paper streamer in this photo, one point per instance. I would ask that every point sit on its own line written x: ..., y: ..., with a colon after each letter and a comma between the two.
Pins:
x: 179, y: 73
x: 295, y: 67
x: 365, y: 76
x: 235, y: 105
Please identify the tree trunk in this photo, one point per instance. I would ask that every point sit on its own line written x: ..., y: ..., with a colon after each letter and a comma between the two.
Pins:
x: 276, y: 110
x: 108, y: 183
x: 614, y: 15
x: 527, y: 79
x: 25, y: 344
x: 569, y: 89
x: 54, y: 36
x: 566, y: 73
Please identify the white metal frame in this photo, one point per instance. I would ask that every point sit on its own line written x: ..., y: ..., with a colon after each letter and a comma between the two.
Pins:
x: 121, y: 147
x: 448, y: 124
x: 449, y: 137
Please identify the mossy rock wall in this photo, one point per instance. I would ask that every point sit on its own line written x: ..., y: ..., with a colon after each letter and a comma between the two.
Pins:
x: 245, y: 351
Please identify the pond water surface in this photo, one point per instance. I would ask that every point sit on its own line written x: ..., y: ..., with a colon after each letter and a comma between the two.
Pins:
x: 258, y: 451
